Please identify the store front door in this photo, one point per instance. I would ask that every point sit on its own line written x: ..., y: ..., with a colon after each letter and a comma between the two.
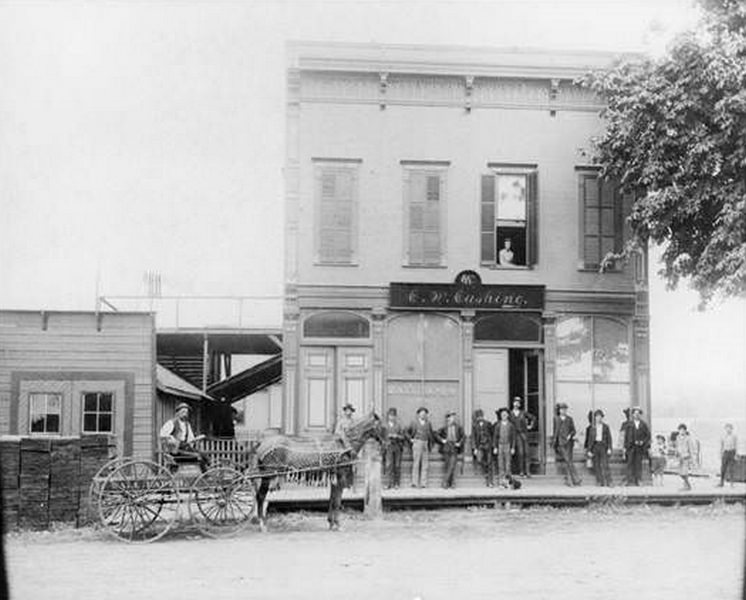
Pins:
x: 332, y: 377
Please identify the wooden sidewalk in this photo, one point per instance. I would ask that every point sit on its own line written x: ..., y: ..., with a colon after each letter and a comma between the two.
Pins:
x: 534, y: 492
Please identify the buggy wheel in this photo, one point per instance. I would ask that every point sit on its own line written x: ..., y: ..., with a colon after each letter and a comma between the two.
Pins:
x: 94, y: 490
x: 138, y: 501
x: 222, y: 501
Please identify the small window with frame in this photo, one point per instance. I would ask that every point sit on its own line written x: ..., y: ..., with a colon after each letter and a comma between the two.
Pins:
x: 45, y: 414
x: 98, y: 412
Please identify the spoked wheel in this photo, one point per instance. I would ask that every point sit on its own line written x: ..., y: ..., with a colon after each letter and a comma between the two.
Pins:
x: 222, y: 501
x: 138, y: 501
x: 94, y: 490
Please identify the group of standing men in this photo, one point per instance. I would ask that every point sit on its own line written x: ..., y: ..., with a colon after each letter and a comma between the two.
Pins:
x: 494, y: 446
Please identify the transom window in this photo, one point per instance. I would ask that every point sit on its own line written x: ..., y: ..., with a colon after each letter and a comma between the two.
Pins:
x: 45, y: 413
x: 509, y: 217
x: 98, y: 412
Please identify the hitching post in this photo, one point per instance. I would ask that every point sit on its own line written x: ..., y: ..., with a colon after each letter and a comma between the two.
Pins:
x: 373, y: 503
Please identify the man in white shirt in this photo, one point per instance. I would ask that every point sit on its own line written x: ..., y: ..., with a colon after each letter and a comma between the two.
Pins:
x: 178, y: 438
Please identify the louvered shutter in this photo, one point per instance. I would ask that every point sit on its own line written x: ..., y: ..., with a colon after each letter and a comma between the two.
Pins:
x: 590, y: 191
x: 337, y: 190
x: 487, y: 228
x: 532, y: 233
x: 424, y: 215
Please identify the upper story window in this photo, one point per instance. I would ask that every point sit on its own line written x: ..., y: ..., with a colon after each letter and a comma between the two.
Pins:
x: 45, y: 413
x: 98, y: 412
x: 336, y: 197
x: 601, y: 219
x: 509, y: 235
x: 424, y: 213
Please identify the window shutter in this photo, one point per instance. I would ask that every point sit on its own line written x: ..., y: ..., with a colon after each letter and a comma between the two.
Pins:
x: 590, y: 196
x: 336, y: 215
x: 424, y: 216
x: 532, y: 241
x: 487, y: 228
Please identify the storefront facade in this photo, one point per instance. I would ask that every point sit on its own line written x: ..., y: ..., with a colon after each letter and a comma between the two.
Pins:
x: 443, y: 239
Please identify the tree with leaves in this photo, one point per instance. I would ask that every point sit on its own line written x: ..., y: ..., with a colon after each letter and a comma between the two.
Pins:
x: 675, y: 139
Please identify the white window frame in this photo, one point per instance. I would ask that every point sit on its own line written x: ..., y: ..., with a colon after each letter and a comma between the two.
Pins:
x: 46, y: 395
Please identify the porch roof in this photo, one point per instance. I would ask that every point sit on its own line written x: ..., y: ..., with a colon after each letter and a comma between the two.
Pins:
x: 170, y: 383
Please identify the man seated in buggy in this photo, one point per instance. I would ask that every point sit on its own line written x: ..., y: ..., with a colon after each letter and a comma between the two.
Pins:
x: 178, y: 439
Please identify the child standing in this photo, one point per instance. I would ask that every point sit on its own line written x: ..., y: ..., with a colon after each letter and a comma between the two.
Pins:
x: 658, y: 459
x: 728, y: 444
x: 685, y: 451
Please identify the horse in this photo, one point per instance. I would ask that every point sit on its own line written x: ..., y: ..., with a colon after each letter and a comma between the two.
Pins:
x: 312, y: 460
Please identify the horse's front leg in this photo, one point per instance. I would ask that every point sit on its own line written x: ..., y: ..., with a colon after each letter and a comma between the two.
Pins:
x: 261, y: 503
x: 335, y: 502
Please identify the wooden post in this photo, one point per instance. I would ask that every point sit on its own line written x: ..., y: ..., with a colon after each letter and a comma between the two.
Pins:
x: 373, y: 503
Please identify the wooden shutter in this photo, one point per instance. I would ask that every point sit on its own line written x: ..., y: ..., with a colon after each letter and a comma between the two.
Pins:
x: 532, y: 227
x: 424, y: 190
x: 590, y: 196
x: 336, y: 214
x: 487, y: 228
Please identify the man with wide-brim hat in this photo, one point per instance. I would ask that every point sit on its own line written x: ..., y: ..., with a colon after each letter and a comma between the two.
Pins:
x: 637, y: 444
x: 179, y: 441
x: 421, y: 436
x: 563, y: 441
x: 344, y: 423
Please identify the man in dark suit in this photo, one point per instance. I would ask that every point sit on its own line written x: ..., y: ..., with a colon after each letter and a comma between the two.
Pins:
x: 481, y: 446
x: 451, y: 439
x: 598, y: 443
x: 522, y: 422
x: 636, y: 446
x: 563, y: 441
x: 394, y: 440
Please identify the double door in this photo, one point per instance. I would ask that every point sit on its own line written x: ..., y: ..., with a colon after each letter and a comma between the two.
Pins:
x: 332, y: 377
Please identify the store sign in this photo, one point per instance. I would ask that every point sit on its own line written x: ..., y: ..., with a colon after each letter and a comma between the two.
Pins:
x: 472, y: 295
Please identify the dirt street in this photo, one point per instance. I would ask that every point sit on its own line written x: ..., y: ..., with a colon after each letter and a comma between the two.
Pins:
x: 607, y: 552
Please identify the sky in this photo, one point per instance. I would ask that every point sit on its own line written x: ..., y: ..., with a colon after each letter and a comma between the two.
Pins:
x: 149, y: 136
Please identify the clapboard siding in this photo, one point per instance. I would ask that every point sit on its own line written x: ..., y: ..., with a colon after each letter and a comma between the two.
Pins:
x: 78, y: 346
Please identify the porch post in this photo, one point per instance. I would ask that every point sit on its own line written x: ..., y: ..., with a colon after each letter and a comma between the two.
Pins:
x: 379, y: 316
x: 467, y: 340
x: 546, y: 408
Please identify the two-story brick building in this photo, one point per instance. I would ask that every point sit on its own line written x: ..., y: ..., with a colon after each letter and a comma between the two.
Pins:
x: 444, y: 231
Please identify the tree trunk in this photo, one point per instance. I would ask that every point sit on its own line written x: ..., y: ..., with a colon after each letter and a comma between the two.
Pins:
x: 372, y: 499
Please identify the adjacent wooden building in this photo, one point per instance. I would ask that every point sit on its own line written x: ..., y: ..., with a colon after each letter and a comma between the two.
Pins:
x: 79, y: 373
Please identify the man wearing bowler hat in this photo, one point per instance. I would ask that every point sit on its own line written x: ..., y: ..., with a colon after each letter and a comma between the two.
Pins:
x: 563, y: 441
x: 637, y: 444
x: 178, y: 439
x: 421, y: 435
x: 451, y: 438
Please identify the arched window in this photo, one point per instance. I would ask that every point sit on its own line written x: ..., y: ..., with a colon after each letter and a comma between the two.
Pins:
x: 336, y: 325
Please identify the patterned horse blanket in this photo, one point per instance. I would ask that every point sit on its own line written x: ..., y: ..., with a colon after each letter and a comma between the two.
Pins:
x: 302, y: 460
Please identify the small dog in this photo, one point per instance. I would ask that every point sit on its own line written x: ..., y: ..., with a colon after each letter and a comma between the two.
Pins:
x: 513, y: 483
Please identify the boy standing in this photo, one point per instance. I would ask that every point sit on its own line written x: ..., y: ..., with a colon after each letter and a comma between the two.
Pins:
x: 421, y: 435
x: 685, y: 451
x: 728, y: 445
